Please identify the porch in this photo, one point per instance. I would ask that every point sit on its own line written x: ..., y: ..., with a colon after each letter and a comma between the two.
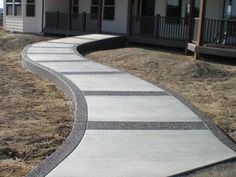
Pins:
x: 143, y: 26
x: 76, y: 24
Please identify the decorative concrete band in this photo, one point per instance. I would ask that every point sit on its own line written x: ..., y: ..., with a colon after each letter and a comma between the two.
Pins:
x: 124, y: 93
x: 87, y: 73
x: 79, y: 104
x: 93, y: 125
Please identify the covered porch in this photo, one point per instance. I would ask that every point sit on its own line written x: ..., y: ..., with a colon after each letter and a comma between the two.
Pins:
x: 195, y: 25
x: 214, y: 36
x: 68, y: 17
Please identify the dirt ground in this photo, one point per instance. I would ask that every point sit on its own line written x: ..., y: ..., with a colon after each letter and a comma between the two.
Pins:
x: 211, y: 87
x: 35, y: 117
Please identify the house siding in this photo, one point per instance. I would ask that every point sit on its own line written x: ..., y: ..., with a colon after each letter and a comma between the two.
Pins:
x: 14, y: 24
x: 84, y: 6
x: 56, y: 5
x: 119, y: 25
x: 215, y: 9
x: 33, y: 24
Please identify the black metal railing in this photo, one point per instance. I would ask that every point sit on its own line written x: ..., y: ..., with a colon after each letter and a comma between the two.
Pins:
x: 81, y: 22
x: 160, y: 27
x: 220, y: 32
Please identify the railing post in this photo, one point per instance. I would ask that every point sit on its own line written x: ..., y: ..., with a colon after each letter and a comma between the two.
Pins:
x: 84, y: 21
x: 58, y: 20
x: 156, y: 27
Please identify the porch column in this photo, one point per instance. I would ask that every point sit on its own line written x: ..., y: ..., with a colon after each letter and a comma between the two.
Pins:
x: 200, y: 26
x: 69, y: 17
x: 129, y: 20
x: 99, y: 23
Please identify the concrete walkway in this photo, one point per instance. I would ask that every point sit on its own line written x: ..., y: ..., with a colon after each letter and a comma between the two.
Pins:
x: 129, y: 127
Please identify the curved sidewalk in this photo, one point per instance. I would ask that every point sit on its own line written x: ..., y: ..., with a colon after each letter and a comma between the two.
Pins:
x: 124, y: 126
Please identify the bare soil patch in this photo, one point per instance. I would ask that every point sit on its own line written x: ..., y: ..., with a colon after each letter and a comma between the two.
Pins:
x: 35, y: 117
x: 208, y: 86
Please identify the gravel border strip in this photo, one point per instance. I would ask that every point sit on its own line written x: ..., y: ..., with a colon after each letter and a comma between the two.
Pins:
x: 92, y: 72
x: 125, y: 93
x: 101, y: 125
x: 58, y: 61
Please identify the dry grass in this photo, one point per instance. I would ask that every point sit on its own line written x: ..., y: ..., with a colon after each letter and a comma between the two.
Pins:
x: 35, y: 117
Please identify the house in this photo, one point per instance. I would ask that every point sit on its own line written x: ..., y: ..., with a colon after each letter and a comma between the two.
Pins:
x: 201, y: 26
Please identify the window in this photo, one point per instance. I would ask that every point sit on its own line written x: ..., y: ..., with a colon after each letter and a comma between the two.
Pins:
x: 30, y: 8
x: 230, y: 8
x: 9, y: 7
x: 13, y: 7
x: 196, y: 8
x: 17, y: 8
x: 94, y: 9
x: 173, y: 8
x: 75, y: 7
x: 109, y: 10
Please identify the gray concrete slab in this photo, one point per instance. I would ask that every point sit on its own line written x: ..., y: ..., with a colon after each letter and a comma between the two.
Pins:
x: 106, y: 153
x: 78, y: 67
x: 45, y: 50
x: 49, y: 44
x: 56, y: 57
x: 72, y: 40
x: 95, y: 36
x: 138, y: 109
x: 114, y: 82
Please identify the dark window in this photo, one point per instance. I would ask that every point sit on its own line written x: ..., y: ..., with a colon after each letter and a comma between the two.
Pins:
x: 196, y: 8
x: 75, y: 7
x: 30, y: 8
x: 230, y: 8
x: 109, y: 10
x: 94, y: 9
x: 148, y: 8
x: 9, y: 7
x: 17, y: 8
x: 173, y: 8
x: 13, y: 7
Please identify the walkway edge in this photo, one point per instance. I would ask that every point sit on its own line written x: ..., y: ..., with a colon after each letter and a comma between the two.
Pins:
x: 77, y: 97
x: 80, y: 115
x: 80, y: 106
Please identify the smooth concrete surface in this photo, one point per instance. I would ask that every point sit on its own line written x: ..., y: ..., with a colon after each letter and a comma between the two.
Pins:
x: 112, y: 82
x: 50, y: 50
x: 109, y: 153
x: 127, y: 152
x: 56, y: 57
x: 52, y: 44
x: 71, y: 41
x: 138, y: 109
x: 78, y: 67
